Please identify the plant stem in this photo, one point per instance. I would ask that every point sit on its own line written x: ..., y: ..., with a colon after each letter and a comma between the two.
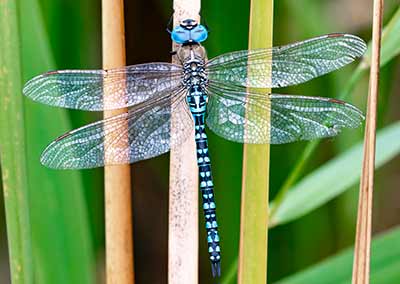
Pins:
x: 183, y: 232
x: 361, y: 265
x: 255, y: 184
x: 117, y: 179
x: 12, y: 147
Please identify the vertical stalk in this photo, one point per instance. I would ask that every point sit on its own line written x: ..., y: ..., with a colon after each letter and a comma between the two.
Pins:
x: 117, y: 179
x: 183, y: 192
x: 255, y: 185
x: 361, y: 265
x: 12, y: 147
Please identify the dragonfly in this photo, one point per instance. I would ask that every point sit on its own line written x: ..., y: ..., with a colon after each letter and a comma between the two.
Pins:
x: 198, y: 92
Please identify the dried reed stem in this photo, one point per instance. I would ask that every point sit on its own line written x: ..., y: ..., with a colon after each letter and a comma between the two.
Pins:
x: 117, y: 179
x: 361, y: 265
x: 183, y: 192
x: 255, y: 181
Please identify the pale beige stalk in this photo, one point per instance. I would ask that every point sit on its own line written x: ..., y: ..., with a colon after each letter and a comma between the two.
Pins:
x: 362, y: 251
x: 117, y: 179
x: 183, y: 187
x: 255, y: 181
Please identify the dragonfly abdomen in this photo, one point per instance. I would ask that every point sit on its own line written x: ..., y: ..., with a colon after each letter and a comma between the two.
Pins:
x: 197, y: 101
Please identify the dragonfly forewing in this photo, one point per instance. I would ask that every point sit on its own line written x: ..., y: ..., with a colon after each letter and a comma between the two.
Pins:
x: 84, y: 89
x: 286, y: 65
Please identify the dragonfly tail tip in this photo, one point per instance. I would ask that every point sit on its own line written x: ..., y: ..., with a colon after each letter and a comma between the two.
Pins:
x: 216, y: 269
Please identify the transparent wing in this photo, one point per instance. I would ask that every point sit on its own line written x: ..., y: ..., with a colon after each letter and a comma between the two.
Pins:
x: 287, y: 65
x: 141, y: 133
x: 292, y: 118
x: 85, y: 89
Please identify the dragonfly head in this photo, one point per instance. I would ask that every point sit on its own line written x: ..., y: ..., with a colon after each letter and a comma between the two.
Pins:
x: 189, y: 24
x: 189, y: 32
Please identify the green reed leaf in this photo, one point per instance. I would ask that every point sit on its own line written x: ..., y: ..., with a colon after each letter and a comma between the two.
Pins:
x: 390, y: 41
x: 12, y: 147
x: 334, y: 177
x: 61, y: 240
x: 385, y: 263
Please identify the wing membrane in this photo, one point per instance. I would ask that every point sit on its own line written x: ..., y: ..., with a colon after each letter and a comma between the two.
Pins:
x: 85, y: 89
x: 287, y: 65
x: 141, y: 133
x: 292, y: 118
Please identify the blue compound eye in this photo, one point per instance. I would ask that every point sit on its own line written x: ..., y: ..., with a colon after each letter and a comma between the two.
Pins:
x: 180, y: 35
x: 199, y: 34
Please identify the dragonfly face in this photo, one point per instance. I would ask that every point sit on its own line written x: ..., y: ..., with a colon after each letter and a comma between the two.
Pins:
x: 189, y: 32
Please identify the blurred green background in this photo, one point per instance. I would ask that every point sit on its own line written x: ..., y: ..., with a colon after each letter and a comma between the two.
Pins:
x: 66, y: 208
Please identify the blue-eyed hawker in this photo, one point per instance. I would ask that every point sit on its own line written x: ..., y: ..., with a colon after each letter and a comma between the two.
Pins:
x: 213, y: 92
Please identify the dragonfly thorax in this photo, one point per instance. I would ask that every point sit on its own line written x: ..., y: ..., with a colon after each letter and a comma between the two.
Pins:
x: 190, y: 52
x: 192, y: 58
x: 194, y: 75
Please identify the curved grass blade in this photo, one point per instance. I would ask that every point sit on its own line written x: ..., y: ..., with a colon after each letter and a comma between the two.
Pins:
x: 323, y: 184
x: 385, y: 263
x: 390, y: 41
x: 389, y: 50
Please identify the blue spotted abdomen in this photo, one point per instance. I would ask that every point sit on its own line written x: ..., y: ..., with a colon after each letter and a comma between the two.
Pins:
x: 197, y: 103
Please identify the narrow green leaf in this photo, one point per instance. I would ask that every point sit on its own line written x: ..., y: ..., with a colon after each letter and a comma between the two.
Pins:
x: 390, y: 40
x: 12, y: 147
x: 385, y: 264
x: 62, y: 244
x: 390, y: 49
x: 334, y: 177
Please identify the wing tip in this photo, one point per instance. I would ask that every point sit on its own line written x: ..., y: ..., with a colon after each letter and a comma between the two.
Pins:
x: 47, y: 158
x: 358, y: 115
x: 50, y: 159
x: 358, y: 43
x: 27, y: 90
x: 46, y: 161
